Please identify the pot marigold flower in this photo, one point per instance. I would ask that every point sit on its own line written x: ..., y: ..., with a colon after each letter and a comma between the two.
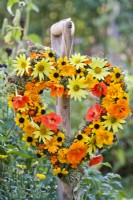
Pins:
x: 51, y: 120
x: 94, y: 112
x: 76, y: 152
x: 95, y: 160
x: 99, y: 89
x: 120, y: 109
x: 104, y: 137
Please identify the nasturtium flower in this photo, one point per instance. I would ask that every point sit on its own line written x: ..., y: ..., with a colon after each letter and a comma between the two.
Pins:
x: 76, y: 88
x: 21, y: 65
x: 20, y: 101
x: 113, y: 123
x: 78, y: 61
x: 95, y: 160
x: 94, y: 112
x: 98, y: 68
x: 90, y: 81
x: 51, y: 120
x: 42, y: 68
x: 99, y: 89
x: 42, y: 132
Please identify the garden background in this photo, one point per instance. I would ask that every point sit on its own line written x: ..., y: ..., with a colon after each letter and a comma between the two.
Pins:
x: 103, y: 27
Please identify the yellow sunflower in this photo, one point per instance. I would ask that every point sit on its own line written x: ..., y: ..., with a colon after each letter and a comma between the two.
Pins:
x: 42, y: 133
x: 78, y: 61
x: 113, y: 123
x: 76, y: 88
x: 98, y: 68
x: 29, y: 139
x: 42, y: 68
x: 21, y: 65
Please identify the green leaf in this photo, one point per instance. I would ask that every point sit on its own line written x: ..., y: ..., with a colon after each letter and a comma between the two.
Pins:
x: 107, y: 164
x: 10, y: 4
x: 35, y: 38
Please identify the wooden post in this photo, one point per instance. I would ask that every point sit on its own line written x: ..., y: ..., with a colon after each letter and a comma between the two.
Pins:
x: 62, y: 43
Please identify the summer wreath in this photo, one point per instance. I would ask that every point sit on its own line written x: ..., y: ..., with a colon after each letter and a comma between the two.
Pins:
x: 37, y: 70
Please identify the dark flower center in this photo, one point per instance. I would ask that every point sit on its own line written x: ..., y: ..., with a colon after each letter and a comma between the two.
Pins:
x: 43, y: 111
x: 51, y: 54
x: 59, y: 139
x: 78, y: 70
x: 96, y: 126
x: 60, y: 175
x: 39, y: 155
x: 117, y: 75
x: 41, y: 91
x: 29, y: 139
x: 79, y: 137
x: 63, y: 63
x: 56, y: 75
x: 21, y: 120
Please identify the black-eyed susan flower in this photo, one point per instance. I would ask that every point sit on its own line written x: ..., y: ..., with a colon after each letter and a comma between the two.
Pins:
x: 116, y: 75
x: 29, y: 139
x: 96, y: 125
x: 60, y: 172
x: 54, y: 75
x: 21, y: 120
x: 62, y: 61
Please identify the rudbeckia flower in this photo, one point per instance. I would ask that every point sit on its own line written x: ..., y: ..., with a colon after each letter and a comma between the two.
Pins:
x: 94, y: 113
x: 60, y: 172
x: 51, y: 120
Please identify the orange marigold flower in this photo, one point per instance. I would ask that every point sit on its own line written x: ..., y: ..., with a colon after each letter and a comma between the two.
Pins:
x: 76, y: 152
x: 41, y: 146
x: 107, y: 79
x: 62, y: 155
x: 87, y: 130
x: 120, y: 109
x: 53, y: 159
x: 94, y: 112
x: 99, y: 89
x: 67, y: 70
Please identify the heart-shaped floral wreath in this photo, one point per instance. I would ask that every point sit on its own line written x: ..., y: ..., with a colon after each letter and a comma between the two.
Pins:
x: 39, y: 69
